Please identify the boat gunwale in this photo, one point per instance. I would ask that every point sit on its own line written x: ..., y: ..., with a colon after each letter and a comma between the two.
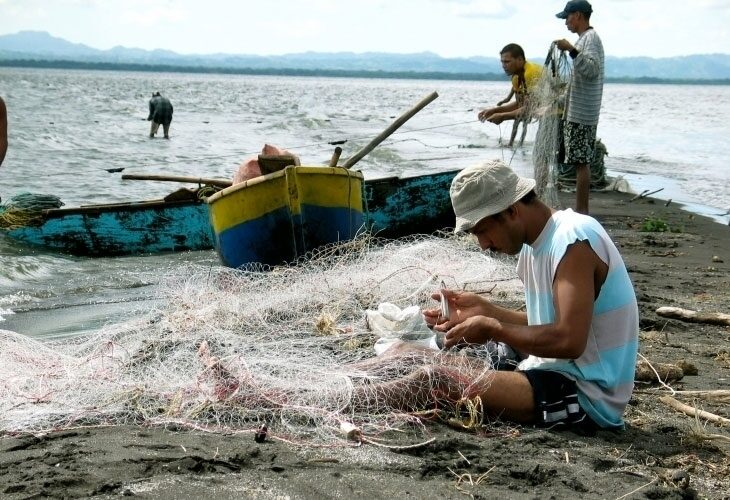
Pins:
x: 54, y: 213
x: 280, y: 173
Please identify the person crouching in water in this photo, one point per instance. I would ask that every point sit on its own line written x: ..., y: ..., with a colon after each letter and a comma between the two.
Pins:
x: 160, y: 114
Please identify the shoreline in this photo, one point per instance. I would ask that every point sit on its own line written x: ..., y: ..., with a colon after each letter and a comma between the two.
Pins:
x: 660, y: 454
x: 639, y: 183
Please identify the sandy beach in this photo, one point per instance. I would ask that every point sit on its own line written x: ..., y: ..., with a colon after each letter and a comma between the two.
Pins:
x: 662, y: 453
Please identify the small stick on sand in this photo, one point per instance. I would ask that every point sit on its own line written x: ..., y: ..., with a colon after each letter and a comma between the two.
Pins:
x: 643, y: 193
x: 646, y: 362
x: 693, y: 412
x: 719, y: 394
x: 711, y: 318
x: 637, y: 489
x: 661, y: 372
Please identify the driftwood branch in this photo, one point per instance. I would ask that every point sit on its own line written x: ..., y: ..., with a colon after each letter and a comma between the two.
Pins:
x: 645, y: 193
x: 693, y: 412
x: 711, y: 318
x: 719, y: 394
x: 657, y: 372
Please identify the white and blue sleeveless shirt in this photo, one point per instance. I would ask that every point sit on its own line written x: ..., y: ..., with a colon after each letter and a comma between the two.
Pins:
x: 604, y: 373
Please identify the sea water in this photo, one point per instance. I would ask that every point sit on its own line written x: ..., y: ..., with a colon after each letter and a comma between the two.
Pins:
x: 69, y: 129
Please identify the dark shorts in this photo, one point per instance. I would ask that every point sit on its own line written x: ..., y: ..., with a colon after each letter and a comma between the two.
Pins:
x: 556, y: 401
x: 580, y: 140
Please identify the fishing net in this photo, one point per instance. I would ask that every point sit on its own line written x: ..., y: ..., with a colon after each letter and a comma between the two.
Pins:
x: 26, y: 209
x: 549, y: 102
x: 598, y: 179
x: 287, y: 347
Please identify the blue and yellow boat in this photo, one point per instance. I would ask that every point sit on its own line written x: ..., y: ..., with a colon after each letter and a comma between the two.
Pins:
x: 393, y: 207
x: 279, y: 217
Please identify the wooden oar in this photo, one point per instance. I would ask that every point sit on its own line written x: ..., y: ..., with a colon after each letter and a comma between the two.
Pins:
x: 177, y: 178
x: 388, y: 131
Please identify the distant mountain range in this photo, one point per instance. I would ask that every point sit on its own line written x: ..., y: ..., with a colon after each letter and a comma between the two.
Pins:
x: 38, y: 48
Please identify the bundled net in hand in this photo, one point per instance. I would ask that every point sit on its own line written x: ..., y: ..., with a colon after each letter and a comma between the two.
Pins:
x: 288, y: 347
x: 549, y: 101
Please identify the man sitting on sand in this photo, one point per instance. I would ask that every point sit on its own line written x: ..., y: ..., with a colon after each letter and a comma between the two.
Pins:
x: 160, y: 114
x: 579, y: 334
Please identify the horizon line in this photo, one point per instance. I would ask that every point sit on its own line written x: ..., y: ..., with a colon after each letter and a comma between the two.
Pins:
x: 198, y: 54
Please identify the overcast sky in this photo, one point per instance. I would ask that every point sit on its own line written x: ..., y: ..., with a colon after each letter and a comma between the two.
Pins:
x: 450, y: 28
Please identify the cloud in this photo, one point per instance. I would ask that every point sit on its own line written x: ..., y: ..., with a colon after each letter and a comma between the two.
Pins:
x: 155, y: 16
x: 481, y: 9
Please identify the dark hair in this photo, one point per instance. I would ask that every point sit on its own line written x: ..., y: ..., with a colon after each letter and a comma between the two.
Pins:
x: 513, y: 49
x: 529, y: 197
x: 587, y: 16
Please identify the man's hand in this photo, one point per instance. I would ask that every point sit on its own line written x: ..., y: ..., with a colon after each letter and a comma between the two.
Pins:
x: 474, y: 330
x: 462, y: 305
x: 486, y: 113
x: 497, y: 118
x: 564, y: 45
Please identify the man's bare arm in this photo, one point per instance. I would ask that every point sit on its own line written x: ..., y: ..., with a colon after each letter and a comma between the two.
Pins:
x: 574, y: 291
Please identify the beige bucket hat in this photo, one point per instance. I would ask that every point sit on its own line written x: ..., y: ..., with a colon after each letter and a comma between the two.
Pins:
x: 483, y: 190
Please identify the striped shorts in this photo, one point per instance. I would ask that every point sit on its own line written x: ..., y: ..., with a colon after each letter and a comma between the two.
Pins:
x: 556, y: 400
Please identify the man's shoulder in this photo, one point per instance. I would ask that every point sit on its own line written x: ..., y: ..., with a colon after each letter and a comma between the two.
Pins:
x: 533, y: 67
x: 571, y: 224
x: 590, y: 36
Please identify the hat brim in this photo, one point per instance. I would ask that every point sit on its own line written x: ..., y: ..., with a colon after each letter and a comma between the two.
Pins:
x: 471, y: 218
x: 562, y: 15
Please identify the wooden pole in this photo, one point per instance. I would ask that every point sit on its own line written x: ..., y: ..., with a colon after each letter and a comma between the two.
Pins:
x: 692, y: 411
x: 335, y: 157
x: 712, y: 318
x: 177, y: 178
x: 388, y: 131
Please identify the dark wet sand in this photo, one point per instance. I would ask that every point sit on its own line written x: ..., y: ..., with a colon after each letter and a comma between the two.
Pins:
x: 653, y: 458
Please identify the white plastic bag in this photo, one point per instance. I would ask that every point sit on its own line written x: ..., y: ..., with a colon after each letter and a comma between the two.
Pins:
x: 393, y: 324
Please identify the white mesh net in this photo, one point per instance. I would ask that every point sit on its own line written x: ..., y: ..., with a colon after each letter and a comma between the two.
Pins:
x: 548, y: 101
x: 287, y: 347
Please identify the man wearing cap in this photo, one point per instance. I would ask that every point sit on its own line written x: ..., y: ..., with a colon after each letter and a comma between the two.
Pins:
x: 584, y: 94
x: 525, y: 75
x: 578, y: 336
x: 579, y: 333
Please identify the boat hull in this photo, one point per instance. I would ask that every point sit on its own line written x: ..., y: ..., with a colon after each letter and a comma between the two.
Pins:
x: 122, y: 229
x: 401, y: 206
x: 280, y: 217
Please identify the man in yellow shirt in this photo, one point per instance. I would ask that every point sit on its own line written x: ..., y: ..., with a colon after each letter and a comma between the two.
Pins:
x: 525, y: 76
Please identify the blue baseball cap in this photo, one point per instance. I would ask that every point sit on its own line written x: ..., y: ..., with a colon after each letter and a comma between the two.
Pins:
x: 575, y: 6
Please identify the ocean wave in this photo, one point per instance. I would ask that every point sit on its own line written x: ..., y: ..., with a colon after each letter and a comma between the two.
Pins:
x: 5, y: 312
